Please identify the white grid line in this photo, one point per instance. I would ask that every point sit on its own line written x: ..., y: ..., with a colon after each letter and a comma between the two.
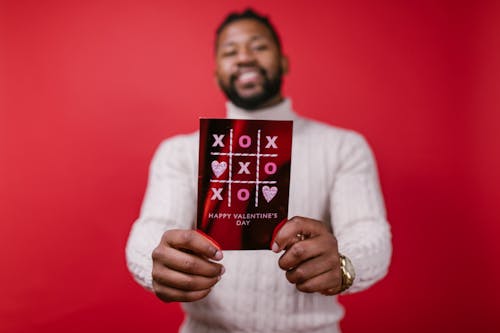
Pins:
x: 244, y: 181
x: 244, y: 154
x: 257, y: 173
x: 230, y: 164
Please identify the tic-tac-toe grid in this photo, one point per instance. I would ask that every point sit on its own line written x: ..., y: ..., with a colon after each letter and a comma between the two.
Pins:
x: 230, y: 179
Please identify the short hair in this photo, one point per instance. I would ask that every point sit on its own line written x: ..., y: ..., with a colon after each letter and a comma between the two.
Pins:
x: 248, y: 14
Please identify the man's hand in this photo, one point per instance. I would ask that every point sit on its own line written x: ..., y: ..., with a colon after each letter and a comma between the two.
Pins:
x: 182, y: 270
x: 311, y: 259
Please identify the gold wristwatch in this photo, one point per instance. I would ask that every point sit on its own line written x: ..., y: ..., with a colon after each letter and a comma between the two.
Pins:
x: 348, y: 273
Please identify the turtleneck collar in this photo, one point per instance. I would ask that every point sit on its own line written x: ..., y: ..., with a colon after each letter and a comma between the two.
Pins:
x: 281, y: 111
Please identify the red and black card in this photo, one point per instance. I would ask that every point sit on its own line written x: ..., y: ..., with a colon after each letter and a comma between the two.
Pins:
x: 243, y: 180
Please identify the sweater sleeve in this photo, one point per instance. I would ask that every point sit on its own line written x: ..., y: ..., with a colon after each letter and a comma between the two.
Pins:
x: 169, y: 203
x: 358, y: 213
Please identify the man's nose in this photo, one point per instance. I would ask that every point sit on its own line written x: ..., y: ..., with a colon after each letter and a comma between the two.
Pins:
x: 246, y: 56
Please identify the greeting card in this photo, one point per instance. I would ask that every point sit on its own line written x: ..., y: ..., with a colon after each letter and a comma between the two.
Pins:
x: 243, y: 180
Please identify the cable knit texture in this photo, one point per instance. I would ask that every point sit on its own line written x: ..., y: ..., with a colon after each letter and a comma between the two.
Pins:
x: 333, y: 179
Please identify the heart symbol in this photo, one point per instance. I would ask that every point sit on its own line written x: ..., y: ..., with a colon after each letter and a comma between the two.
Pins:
x: 269, y: 192
x: 218, y: 168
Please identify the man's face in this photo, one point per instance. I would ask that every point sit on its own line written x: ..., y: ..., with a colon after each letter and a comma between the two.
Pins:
x: 249, y: 65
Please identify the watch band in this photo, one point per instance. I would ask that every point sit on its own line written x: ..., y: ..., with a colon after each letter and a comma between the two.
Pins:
x: 348, y: 273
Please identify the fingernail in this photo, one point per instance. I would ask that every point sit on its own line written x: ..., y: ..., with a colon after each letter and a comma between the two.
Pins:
x: 222, y: 271
x: 275, y: 247
x: 277, y: 229
x: 218, y: 255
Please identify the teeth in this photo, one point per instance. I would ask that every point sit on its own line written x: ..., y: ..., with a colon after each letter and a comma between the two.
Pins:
x: 248, y: 76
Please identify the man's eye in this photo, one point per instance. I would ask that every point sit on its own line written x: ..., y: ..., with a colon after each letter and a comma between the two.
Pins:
x: 229, y: 53
x: 260, y: 47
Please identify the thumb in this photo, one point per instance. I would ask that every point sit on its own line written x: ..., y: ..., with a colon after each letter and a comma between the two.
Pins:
x: 294, y: 230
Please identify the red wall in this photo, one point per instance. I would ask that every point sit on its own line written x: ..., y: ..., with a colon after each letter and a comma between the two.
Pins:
x: 89, y: 88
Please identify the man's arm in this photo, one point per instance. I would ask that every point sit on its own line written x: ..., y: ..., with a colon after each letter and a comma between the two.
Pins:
x: 358, y: 213
x: 163, y: 253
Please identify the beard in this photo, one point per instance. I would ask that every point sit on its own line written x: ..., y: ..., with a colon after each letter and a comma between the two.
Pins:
x: 270, y: 88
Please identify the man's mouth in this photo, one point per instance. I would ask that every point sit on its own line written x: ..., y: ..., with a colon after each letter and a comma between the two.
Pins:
x: 248, y: 77
x: 251, y: 76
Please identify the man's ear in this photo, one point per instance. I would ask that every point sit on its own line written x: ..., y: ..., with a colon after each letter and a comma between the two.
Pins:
x: 285, y: 64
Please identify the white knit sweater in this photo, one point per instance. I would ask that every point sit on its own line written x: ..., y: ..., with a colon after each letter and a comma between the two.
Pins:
x: 333, y: 179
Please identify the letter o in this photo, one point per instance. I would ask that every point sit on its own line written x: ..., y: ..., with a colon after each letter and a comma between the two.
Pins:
x: 245, y: 141
x: 270, y: 168
x: 243, y: 194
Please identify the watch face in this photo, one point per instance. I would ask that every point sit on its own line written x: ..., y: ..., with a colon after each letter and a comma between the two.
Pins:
x: 348, y: 273
x: 349, y: 268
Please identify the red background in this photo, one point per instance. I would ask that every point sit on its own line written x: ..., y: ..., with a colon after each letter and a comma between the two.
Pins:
x: 88, y: 89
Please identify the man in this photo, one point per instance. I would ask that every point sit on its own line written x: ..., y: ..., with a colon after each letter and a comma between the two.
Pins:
x: 338, y: 241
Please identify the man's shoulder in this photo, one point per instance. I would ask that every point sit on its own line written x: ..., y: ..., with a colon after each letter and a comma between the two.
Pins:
x: 179, y: 141
x: 316, y: 128
x: 178, y: 145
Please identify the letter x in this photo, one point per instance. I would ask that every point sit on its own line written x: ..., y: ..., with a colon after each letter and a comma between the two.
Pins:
x: 216, y: 194
x: 218, y: 140
x: 271, y: 142
x: 244, y: 168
